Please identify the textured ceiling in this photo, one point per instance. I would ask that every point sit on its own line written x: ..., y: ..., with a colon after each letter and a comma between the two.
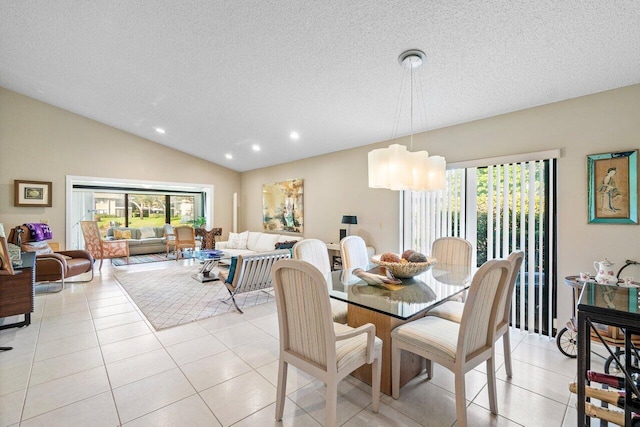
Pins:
x: 220, y: 76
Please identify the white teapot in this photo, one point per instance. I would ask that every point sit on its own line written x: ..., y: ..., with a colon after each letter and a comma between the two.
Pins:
x: 604, y: 272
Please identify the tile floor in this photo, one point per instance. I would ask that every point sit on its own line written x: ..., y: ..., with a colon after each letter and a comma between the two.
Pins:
x: 90, y: 358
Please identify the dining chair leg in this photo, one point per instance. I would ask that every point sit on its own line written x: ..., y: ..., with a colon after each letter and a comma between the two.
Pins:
x: 429, y: 368
x: 395, y: 370
x: 331, y: 403
x: 461, y: 400
x: 100, y: 266
x: 281, y: 393
x: 506, y: 340
x: 376, y: 373
x: 491, y: 384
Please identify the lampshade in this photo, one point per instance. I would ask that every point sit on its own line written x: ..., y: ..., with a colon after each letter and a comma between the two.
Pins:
x: 396, y: 168
x: 349, y: 219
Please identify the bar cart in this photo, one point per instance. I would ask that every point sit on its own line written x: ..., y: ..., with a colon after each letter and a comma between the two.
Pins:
x: 617, y: 307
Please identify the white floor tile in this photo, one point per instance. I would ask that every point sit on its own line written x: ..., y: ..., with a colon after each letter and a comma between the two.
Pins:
x: 181, y: 333
x: 295, y: 378
x: 192, y: 412
x: 97, y: 411
x: 539, y: 409
x: 122, y: 332
x: 260, y: 352
x: 150, y: 394
x: 111, y: 310
x: 238, y: 335
x: 130, y: 347
x: 47, y: 350
x: 256, y: 392
x: 14, y: 378
x: 62, y: 366
x: 116, y: 320
x: 138, y: 367
x: 213, y: 370
x: 11, y: 407
x: 55, y: 394
x: 293, y: 416
x: 195, y: 349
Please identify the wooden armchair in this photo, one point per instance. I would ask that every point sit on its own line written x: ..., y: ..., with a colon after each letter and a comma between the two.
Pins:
x: 183, y: 237
x: 100, y: 248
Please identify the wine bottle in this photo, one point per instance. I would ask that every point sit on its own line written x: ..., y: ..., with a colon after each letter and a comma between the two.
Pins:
x: 609, y: 396
x: 611, y: 380
x: 612, y: 416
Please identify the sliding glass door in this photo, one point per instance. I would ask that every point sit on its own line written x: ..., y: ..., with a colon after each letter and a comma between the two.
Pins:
x: 499, y: 208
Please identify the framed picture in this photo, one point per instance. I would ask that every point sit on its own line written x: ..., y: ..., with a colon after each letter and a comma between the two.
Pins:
x: 282, y: 207
x: 613, y: 187
x: 32, y: 193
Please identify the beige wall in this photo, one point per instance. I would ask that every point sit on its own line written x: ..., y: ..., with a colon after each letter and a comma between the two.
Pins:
x: 336, y: 184
x: 43, y: 143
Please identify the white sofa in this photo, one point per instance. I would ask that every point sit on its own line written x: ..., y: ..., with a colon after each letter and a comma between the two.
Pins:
x: 255, y: 242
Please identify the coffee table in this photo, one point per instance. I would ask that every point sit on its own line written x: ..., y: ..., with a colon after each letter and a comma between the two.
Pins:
x: 210, y: 261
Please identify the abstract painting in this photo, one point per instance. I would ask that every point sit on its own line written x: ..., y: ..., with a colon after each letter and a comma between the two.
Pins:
x: 282, y: 207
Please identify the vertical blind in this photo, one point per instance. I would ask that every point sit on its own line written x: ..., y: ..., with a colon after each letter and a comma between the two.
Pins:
x: 499, y: 208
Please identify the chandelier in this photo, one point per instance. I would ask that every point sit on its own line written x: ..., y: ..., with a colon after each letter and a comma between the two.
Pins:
x: 395, y: 167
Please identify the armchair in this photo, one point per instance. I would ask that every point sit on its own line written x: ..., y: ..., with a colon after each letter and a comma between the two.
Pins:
x: 100, y: 248
x: 53, y: 266
x: 183, y: 237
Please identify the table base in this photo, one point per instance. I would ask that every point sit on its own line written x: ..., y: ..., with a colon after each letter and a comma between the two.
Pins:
x: 411, y: 364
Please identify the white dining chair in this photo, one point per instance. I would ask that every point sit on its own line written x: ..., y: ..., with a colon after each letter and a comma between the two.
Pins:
x: 452, y: 310
x: 315, y: 252
x: 452, y: 250
x: 311, y: 342
x: 462, y: 346
x: 353, y: 251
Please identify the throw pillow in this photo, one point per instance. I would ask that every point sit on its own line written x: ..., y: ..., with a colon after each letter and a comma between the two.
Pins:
x: 38, y: 247
x: 122, y: 234
x: 237, y: 241
x: 147, y: 233
x: 286, y: 245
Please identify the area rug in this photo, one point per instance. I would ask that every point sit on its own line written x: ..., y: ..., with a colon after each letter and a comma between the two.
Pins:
x: 171, y: 297
x: 143, y: 259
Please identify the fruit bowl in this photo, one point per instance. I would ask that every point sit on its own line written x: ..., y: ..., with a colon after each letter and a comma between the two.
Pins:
x: 405, y: 270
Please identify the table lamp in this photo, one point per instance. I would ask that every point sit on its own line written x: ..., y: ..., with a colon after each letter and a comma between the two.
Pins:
x: 349, y: 219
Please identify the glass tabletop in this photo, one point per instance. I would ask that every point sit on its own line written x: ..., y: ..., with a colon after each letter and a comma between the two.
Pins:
x: 210, y: 254
x: 403, y: 301
x: 602, y: 298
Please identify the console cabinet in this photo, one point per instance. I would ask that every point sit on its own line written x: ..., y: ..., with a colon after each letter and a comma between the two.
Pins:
x: 17, y: 292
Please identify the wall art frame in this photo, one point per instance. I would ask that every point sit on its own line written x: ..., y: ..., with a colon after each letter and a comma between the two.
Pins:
x: 283, y: 206
x: 613, y: 187
x: 32, y: 193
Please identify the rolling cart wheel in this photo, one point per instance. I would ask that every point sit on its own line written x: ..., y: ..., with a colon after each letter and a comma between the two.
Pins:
x: 567, y: 342
x: 612, y: 367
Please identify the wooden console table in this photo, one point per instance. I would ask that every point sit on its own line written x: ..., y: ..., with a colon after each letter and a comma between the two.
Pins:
x: 17, y: 291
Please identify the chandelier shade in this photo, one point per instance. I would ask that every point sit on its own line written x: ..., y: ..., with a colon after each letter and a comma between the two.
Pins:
x: 395, y: 167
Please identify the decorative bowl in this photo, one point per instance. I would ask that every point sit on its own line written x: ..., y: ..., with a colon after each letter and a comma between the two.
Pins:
x: 404, y: 270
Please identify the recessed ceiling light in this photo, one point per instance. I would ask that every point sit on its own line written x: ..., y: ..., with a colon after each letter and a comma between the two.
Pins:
x: 255, y: 147
x: 229, y: 156
x: 294, y: 135
x: 161, y: 131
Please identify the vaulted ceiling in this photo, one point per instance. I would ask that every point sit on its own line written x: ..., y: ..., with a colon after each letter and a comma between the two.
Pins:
x: 222, y: 76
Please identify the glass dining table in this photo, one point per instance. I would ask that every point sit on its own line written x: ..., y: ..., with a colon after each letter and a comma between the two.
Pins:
x: 390, y: 305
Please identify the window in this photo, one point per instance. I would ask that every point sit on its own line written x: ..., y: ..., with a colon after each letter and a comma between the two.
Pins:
x: 499, y: 208
x: 115, y: 202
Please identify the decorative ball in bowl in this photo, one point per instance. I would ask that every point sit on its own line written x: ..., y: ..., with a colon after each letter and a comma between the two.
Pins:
x: 404, y: 266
